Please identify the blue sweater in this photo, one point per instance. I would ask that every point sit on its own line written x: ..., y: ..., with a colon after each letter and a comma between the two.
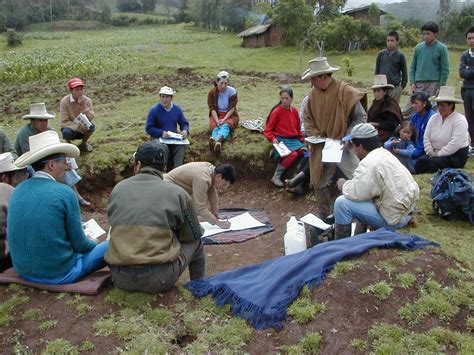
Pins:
x: 406, y: 147
x: 159, y: 120
x: 420, y: 123
x: 45, y: 232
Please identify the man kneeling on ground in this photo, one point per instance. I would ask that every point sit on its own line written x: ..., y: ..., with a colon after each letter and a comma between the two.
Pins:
x: 201, y: 180
x: 44, y: 228
x: 155, y: 233
x: 382, y: 192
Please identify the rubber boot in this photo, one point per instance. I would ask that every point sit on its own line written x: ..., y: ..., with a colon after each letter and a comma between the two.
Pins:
x: 342, y: 231
x: 297, y: 179
x: 323, y: 202
x: 218, y: 145
x: 276, y: 179
x: 360, y: 228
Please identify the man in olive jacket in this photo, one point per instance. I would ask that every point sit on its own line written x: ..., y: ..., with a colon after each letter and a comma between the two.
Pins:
x: 155, y: 233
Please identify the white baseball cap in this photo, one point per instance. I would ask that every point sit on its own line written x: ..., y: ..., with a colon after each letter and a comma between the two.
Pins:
x: 166, y: 90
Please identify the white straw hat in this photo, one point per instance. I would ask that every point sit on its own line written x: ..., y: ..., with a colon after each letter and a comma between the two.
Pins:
x: 39, y: 111
x: 380, y: 81
x: 223, y: 75
x: 166, y: 90
x: 446, y: 94
x: 318, y: 66
x: 44, y: 144
x: 6, y: 163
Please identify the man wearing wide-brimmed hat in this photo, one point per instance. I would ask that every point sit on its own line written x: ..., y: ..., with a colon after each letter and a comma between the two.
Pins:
x: 39, y: 117
x: 446, y: 138
x: 70, y: 107
x: 333, y: 108
x: 10, y: 176
x: 45, y: 232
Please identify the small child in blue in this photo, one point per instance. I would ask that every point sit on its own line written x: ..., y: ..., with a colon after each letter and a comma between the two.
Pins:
x: 402, y: 146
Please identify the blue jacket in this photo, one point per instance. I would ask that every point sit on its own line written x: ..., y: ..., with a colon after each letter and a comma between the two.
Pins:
x: 420, y: 123
x: 406, y: 147
x: 159, y: 120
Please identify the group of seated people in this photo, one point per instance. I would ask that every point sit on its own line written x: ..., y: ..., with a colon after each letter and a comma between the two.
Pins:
x: 151, y: 243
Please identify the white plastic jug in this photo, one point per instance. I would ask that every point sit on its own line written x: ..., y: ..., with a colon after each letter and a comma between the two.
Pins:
x: 295, y: 237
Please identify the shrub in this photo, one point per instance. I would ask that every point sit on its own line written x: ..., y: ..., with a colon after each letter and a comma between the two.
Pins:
x: 349, y: 68
x: 13, y: 38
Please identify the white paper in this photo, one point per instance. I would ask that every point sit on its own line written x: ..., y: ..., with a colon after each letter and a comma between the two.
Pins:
x: 315, y: 140
x: 82, y: 120
x: 332, y: 151
x: 174, y: 135
x: 240, y: 222
x: 282, y: 149
x: 174, y: 141
x: 92, y: 229
x: 313, y: 220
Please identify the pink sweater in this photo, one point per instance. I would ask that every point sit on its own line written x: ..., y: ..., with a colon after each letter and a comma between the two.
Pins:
x: 446, y: 136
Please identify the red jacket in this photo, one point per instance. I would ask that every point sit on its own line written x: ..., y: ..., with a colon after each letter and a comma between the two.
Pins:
x: 283, y: 123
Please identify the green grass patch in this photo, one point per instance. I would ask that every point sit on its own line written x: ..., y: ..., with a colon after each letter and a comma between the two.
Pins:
x: 309, y: 344
x: 393, y: 339
x: 392, y: 264
x: 442, y: 302
x: 48, y: 324
x: 83, y: 308
x: 381, y: 290
x: 160, y: 316
x: 7, y: 307
x: 344, y: 267
x: 359, y: 344
x: 406, y: 280
x: 17, y: 288
x: 303, y: 310
x: 470, y: 323
x: 74, y: 300
x: 32, y: 314
x: 134, y: 300
x: 60, y: 346
x: 87, y: 345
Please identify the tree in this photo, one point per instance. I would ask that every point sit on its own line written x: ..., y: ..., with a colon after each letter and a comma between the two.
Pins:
x: 106, y: 14
x: 128, y: 5
x: 327, y: 10
x: 148, y: 5
x: 374, y: 12
x: 295, y: 17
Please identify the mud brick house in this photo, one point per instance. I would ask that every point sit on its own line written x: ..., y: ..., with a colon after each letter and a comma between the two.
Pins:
x: 362, y: 13
x: 265, y: 35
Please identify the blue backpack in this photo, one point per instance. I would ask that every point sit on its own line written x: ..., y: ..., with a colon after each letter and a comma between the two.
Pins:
x: 453, y: 195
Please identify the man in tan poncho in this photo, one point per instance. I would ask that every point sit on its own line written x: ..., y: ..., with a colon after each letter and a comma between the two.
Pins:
x: 333, y: 109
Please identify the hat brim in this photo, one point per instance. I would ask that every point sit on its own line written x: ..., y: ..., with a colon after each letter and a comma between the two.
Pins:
x: 347, y: 138
x: 445, y: 99
x: 69, y: 150
x: 45, y: 116
x: 390, y: 86
x: 308, y: 73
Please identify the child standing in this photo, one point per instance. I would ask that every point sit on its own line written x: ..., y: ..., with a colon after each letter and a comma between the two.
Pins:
x: 392, y: 63
x: 403, y: 145
x: 466, y: 72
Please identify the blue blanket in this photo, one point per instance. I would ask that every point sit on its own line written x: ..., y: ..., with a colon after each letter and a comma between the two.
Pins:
x: 261, y: 293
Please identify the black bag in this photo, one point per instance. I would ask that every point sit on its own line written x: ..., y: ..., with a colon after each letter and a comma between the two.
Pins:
x: 453, y: 195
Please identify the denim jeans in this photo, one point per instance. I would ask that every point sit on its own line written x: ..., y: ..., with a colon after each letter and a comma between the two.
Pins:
x: 157, y: 278
x: 223, y: 131
x: 85, y: 264
x: 345, y: 211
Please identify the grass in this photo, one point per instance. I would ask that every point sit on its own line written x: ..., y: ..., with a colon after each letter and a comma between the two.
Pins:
x: 48, y: 324
x: 344, y: 267
x: 133, y: 300
x: 303, y: 310
x: 7, y: 307
x: 406, y: 280
x: 359, y: 344
x: 82, y: 309
x: 309, y: 344
x: 33, y: 314
x: 60, y: 346
x: 381, y: 290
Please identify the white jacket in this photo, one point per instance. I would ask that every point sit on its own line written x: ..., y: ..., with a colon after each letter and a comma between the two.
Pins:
x: 382, y: 178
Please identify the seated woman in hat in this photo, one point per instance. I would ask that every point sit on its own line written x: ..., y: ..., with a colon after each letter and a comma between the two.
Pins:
x: 45, y: 233
x: 223, y: 116
x: 284, y: 125
x: 384, y: 113
x: 446, y: 138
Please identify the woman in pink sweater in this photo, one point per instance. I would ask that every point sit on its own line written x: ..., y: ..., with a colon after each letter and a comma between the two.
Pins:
x: 446, y: 138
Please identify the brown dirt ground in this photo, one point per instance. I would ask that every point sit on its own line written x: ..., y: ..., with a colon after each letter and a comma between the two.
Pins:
x: 350, y: 314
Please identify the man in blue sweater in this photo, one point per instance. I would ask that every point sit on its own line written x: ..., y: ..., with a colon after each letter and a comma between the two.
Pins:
x: 45, y: 233
x: 162, y: 122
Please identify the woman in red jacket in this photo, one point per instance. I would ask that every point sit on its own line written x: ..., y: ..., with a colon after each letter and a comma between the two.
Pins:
x: 283, y: 125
